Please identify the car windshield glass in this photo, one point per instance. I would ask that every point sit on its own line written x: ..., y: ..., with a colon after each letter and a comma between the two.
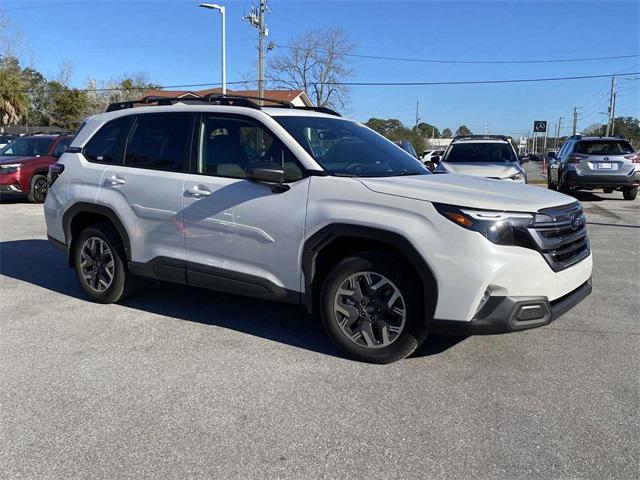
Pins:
x: 604, y: 147
x: 480, y: 152
x: 27, y: 147
x: 343, y: 147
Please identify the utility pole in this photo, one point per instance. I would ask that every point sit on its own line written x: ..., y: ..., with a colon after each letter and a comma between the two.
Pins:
x: 611, y: 101
x: 256, y: 20
x: 417, y: 117
x: 575, y: 119
x: 613, y: 114
x: 558, y: 134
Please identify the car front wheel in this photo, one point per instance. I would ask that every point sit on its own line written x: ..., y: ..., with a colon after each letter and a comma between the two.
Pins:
x: 38, y: 189
x: 372, y: 308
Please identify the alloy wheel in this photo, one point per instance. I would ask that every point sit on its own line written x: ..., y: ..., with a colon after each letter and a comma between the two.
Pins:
x: 97, y: 264
x: 370, y: 309
x: 40, y: 189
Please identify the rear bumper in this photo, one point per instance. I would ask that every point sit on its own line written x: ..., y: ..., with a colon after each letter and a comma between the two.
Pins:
x: 603, y: 180
x: 512, y: 314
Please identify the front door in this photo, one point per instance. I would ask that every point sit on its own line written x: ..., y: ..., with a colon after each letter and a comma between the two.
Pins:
x: 242, y: 236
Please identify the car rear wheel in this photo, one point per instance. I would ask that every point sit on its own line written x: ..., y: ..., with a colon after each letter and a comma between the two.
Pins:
x: 38, y: 189
x: 630, y: 193
x: 372, y: 308
x: 100, y: 265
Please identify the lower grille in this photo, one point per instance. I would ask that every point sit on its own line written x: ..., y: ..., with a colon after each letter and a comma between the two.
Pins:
x: 560, y: 234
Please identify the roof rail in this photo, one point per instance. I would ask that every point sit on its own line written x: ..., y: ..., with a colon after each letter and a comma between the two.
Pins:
x: 479, y: 137
x: 214, y: 98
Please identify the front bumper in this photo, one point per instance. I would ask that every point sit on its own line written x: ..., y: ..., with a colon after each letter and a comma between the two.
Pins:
x: 576, y: 180
x: 512, y: 314
x: 11, y: 183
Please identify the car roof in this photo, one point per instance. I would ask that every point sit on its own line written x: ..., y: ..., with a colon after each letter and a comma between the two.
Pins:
x: 592, y: 139
x: 479, y: 140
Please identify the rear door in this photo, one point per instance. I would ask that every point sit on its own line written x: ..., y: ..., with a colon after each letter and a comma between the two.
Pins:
x: 145, y: 190
x: 242, y: 236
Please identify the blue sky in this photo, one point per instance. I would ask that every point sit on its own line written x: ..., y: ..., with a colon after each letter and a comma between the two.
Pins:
x: 177, y: 43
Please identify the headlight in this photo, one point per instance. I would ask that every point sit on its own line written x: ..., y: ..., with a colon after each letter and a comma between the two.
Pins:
x: 501, y: 228
x: 10, y: 167
x: 518, y: 177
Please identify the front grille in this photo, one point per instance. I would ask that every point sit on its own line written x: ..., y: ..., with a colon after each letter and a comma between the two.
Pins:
x: 560, y: 235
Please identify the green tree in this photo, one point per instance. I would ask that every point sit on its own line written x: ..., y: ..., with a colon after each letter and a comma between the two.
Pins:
x: 463, y: 130
x: 447, y: 133
x: 628, y: 127
x: 14, y: 102
x: 428, y: 131
x: 67, y: 105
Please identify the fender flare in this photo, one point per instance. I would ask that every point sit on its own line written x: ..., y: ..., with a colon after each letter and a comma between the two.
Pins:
x: 326, y: 235
x: 85, y: 207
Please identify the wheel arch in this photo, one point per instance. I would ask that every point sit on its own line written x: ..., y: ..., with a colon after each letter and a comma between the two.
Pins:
x: 338, y: 240
x: 80, y: 215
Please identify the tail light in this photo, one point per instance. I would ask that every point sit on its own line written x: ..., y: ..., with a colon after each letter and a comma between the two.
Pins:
x: 55, y: 171
x: 635, y: 157
x: 575, y: 158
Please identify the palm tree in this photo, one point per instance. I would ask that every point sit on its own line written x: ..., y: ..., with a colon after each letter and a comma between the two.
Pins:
x: 13, y: 99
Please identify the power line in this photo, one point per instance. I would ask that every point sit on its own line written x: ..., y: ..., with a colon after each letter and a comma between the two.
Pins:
x: 471, y: 82
x: 469, y: 62
x: 154, y: 87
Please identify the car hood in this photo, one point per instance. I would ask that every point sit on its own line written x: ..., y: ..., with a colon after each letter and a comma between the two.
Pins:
x: 14, y: 159
x: 494, y: 170
x: 465, y: 191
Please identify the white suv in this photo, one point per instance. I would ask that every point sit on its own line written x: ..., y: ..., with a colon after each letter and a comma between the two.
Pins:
x: 304, y: 206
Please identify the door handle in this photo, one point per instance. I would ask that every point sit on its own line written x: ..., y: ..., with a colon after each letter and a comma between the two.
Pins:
x: 116, y: 180
x: 198, y: 192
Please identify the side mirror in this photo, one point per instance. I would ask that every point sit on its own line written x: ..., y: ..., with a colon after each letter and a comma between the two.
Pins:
x: 435, y: 159
x: 269, y: 174
x: 551, y: 155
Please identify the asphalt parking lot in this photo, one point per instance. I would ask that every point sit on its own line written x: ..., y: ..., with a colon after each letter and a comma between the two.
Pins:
x: 185, y: 383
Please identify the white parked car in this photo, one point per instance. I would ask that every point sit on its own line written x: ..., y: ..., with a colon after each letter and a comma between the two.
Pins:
x: 307, y: 207
x: 489, y: 156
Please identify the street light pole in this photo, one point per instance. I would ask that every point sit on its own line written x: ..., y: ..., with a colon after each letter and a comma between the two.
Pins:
x: 221, y: 9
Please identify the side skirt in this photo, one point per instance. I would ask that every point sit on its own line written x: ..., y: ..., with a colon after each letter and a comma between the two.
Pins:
x: 213, y: 278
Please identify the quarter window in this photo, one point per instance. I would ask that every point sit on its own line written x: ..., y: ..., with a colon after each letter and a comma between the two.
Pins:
x: 159, y: 142
x: 107, y: 145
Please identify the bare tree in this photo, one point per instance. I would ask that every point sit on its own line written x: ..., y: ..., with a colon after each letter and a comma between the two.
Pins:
x: 313, y: 62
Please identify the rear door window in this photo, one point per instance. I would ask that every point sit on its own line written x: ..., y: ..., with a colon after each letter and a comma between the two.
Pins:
x: 159, y: 142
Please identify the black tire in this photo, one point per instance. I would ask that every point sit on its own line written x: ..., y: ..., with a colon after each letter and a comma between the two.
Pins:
x: 122, y: 283
x: 37, y: 189
x: 630, y: 193
x: 607, y: 190
x: 409, y: 338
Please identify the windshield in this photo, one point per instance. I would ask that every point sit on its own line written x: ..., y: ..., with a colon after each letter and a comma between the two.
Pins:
x: 487, y: 152
x: 604, y: 147
x: 347, y: 148
x: 27, y: 147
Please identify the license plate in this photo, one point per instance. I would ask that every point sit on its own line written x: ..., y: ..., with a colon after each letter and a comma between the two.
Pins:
x: 604, y: 166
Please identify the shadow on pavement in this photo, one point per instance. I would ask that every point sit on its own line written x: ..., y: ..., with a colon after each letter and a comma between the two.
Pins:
x: 37, y: 262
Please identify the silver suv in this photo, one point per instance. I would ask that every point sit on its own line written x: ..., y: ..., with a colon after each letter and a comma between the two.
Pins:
x: 587, y: 163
